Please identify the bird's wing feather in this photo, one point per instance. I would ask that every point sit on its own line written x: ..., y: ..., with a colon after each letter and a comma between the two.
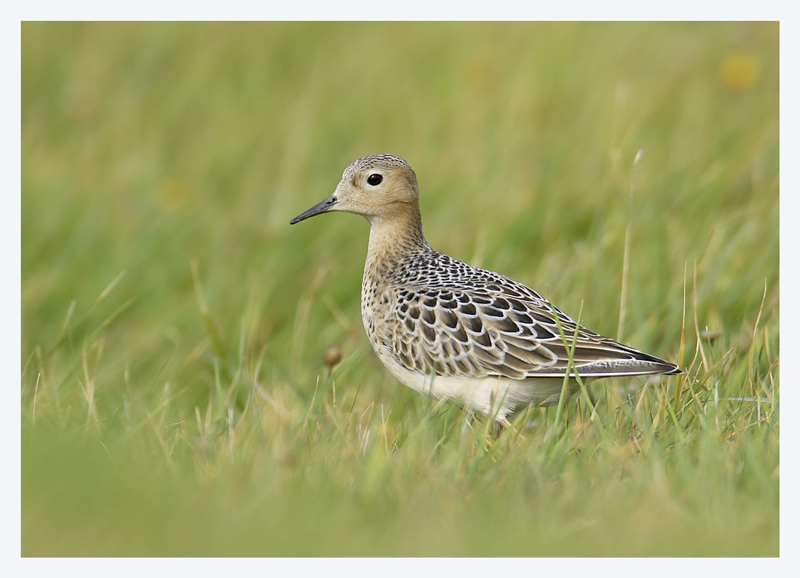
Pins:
x: 498, y: 327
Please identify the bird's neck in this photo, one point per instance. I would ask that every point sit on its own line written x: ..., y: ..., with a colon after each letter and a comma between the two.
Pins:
x: 392, y: 237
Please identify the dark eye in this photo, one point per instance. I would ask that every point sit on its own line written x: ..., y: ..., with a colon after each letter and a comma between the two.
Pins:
x: 375, y: 179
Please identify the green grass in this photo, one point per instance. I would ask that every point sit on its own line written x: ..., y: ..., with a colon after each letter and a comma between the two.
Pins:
x: 174, y: 400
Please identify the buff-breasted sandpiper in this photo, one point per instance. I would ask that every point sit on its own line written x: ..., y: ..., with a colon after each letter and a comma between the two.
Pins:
x: 455, y: 332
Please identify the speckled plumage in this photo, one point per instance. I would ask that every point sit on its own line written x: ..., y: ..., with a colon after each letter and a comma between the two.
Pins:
x: 453, y: 331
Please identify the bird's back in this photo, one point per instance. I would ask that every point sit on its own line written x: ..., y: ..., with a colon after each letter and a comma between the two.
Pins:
x: 439, y: 316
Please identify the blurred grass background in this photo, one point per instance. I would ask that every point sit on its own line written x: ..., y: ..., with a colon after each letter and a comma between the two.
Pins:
x: 174, y: 399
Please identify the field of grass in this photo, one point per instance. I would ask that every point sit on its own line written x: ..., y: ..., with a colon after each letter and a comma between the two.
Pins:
x: 174, y: 398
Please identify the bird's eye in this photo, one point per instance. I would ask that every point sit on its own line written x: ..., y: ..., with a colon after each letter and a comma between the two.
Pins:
x: 375, y: 179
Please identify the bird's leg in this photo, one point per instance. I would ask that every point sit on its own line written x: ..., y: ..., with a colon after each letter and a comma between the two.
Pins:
x: 500, y: 425
x: 498, y: 429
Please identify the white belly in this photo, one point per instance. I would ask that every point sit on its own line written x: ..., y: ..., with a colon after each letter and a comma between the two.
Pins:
x: 493, y: 396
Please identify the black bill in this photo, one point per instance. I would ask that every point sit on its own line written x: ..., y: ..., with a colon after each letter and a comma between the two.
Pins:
x: 317, y: 209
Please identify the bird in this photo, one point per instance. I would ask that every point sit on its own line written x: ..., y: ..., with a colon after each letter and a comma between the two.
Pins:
x: 458, y: 333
